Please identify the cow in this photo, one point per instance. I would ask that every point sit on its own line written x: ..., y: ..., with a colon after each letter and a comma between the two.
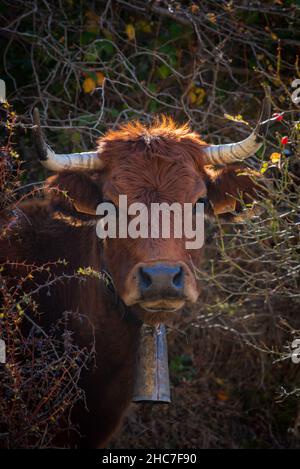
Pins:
x: 151, y: 279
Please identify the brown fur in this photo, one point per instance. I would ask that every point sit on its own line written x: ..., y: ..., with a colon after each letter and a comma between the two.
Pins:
x: 161, y: 163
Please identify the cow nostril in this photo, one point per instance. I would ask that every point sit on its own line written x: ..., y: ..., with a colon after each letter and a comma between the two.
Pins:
x: 161, y: 280
x: 145, y: 278
x: 178, y: 278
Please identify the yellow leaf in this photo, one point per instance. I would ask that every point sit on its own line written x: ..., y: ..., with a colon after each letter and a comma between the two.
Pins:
x: 194, y: 8
x: 200, y: 92
x: 237, y: 118
x: 192, y: 97
x: 223, y: 396
x: 275, y: 157
x: 88, y: 85
x: 92, y: 22
x: 229, y: 6
x: 144, y: 26
x: 14, y: 154
x: 100, y: 78
x: 196, y: 95
x: 264, y: 167
x: 212, y: 17
x: 130, y: 31
x: 219, y: 381
x: 274, y: 36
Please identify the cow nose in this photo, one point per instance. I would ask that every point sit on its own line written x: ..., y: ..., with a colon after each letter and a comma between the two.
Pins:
x: 161, y: 280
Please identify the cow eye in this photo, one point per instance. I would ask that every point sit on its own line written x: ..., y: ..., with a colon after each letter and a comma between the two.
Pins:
x: 108, y: 201
x: 201, y: 200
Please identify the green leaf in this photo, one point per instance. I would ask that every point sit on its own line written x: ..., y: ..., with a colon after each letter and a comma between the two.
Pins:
x: 164, y: 71
x: 105, y: 49
x: 264, y: 167
x: 87, y: 37
x: 114, y: 112
x: 153, y: 106
x: 152, y: 87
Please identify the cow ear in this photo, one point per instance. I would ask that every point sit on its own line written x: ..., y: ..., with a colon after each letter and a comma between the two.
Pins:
x: 230, y: 187
x: 73, y: 194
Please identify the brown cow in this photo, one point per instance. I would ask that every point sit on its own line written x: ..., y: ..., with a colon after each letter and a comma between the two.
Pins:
x: 153, y: 278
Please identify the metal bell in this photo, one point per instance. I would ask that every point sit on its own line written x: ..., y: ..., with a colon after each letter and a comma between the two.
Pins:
x: 152, y: 371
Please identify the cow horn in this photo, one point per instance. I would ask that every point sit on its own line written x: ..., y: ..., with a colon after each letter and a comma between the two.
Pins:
x: 231, y: 152
x: 60, y: 162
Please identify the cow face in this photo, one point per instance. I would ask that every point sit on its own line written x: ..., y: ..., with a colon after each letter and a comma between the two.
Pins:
x: 160, y: 164
x: 157, y: 274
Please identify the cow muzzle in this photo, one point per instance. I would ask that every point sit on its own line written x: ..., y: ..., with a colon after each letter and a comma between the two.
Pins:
x: 161, y: 286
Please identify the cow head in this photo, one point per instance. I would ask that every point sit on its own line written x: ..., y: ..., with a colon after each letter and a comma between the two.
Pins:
x: 152, y: 164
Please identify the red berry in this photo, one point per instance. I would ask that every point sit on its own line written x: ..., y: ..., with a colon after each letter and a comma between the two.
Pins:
x: 278, y: 117
x: 285, y: 140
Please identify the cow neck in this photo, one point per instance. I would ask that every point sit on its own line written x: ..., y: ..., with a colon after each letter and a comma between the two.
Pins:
x: 126, y: 311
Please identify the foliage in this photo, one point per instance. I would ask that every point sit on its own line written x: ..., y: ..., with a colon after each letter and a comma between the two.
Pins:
x: 39, y: 381
x: 91, y: 65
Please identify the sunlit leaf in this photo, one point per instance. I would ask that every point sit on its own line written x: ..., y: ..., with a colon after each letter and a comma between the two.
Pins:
x: 100, y: 78
x: 264, y: 167
x: 297, y: 126
x: 194, y: 8
x: 88, y: 85
x: 196, y: 96
x: 192, y: 97
x: 212, y: 17
x: 130, y: 31
x: 275, y: 157
x: 237, y: 118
